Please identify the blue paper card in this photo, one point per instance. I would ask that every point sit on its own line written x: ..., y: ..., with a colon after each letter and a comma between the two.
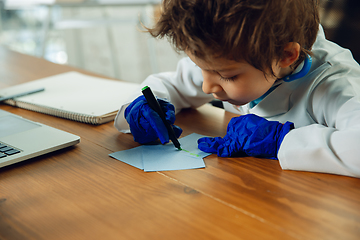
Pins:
x: 165, y: 157
x: 132, y: 157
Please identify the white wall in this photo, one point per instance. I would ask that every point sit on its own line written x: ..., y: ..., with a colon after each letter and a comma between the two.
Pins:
x: 120, y: 50
x: 111, y: 44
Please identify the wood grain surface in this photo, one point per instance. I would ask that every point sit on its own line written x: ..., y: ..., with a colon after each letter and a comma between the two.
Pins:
x: 82, y: 193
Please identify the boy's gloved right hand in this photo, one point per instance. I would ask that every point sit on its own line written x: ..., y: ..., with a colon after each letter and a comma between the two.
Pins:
x: 250, y: 135
x: 146, y: 125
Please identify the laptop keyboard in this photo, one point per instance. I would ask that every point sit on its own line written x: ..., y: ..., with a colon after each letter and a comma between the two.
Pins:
x: 6, y: 150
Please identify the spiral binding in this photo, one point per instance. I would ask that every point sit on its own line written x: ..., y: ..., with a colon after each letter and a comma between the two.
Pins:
x: 95, y: 120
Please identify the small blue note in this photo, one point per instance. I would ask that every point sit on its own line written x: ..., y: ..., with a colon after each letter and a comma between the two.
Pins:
x: 132, y: 157
x: 165, y: 157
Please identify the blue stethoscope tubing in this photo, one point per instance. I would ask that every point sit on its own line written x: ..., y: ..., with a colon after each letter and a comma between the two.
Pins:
x: 305, y: 69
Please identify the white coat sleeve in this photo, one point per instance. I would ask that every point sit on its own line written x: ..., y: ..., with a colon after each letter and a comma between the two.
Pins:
x: 183, y: 88
x: 332, y: 144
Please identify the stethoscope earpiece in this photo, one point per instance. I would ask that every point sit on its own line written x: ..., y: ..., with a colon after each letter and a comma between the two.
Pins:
x: 305, y: 69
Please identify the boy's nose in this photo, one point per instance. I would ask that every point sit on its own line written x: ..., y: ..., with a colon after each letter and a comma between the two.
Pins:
x: 210, y: 84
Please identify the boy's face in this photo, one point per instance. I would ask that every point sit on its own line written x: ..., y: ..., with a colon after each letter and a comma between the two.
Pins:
x: 235, y: 82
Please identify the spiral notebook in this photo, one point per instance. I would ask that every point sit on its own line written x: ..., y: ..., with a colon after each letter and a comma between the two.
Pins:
x: 74, y: 96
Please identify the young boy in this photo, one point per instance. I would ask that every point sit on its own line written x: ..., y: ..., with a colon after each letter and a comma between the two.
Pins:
x: 297, y: 93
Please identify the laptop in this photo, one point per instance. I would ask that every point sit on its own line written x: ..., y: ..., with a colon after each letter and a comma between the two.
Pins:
x: 22, y: 139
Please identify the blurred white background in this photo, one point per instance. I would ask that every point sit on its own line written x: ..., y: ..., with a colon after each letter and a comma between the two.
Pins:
x: 102, y: 36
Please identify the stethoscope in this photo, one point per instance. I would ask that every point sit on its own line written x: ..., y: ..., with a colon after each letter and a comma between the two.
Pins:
x: 305, y: 69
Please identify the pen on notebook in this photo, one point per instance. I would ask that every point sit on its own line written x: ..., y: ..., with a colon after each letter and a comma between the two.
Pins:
x: 21, y: 94
x: 154, y: 104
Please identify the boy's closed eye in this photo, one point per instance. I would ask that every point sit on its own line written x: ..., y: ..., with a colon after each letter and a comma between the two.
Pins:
x: 222, y: 78
x: 227, y: 78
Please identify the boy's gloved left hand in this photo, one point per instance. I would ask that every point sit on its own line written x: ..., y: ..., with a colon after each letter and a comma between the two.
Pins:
x: 146, y: 125
x: 248, y: 134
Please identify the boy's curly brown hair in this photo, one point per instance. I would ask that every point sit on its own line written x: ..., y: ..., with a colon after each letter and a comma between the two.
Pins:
x: 252, y: 30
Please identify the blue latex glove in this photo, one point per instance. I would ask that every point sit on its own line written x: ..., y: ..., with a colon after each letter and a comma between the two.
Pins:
x: 249, y: 135
x: 146, y: 125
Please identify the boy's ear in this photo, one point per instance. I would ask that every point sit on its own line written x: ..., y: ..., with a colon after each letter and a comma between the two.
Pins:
x: 291, y: 54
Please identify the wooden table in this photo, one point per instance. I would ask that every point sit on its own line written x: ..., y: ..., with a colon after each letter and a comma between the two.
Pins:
x: 82, y: 193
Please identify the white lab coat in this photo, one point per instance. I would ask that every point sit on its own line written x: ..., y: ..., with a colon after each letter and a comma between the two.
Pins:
x: 324, y: 106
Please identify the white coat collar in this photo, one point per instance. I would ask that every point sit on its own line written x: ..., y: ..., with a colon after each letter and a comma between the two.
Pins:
x: 275, y: 103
